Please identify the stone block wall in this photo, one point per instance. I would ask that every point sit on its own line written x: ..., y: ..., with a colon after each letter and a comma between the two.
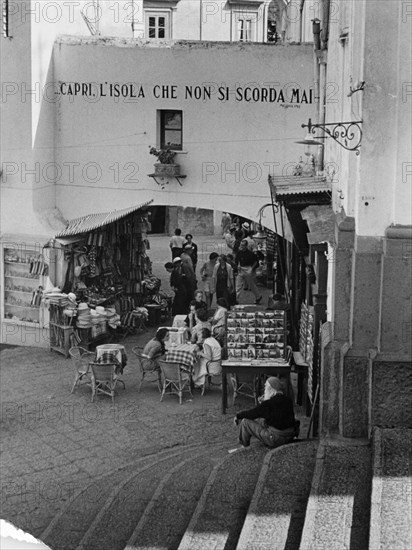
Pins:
x: 198, y: 221
x: 391, y: 394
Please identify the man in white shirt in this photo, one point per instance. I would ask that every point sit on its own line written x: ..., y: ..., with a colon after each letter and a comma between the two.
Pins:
x: 176, y: 244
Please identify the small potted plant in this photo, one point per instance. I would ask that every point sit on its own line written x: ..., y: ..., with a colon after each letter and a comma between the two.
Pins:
x: 165, y: 165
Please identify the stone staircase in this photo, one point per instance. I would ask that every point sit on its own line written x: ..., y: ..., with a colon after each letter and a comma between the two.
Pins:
x: 302, y: 496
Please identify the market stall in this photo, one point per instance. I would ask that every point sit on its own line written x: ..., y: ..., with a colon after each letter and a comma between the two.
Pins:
x: 103, y: 279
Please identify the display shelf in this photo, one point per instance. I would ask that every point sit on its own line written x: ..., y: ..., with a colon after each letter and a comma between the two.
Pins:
x: 22, y: 265
x: 6, y: 304
x: 21, y: 322
x: 16, y: 263
x: 19, y: 291
x: 31, y: 278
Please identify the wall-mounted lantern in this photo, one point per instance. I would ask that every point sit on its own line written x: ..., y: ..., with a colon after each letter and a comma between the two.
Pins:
x: 347, y: 134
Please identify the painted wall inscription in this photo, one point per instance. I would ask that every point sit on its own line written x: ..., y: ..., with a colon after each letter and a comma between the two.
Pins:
x: 290, y: 93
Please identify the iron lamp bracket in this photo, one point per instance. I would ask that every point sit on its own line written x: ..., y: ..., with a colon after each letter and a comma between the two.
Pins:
x: 347, y: 134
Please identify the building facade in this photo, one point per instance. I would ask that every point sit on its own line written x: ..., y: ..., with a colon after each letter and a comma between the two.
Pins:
x: 81, y: 114
x: 229, y: 85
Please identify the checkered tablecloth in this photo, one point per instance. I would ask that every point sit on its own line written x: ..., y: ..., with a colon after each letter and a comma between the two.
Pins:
x: 112, y: 353
x: 185, y: 354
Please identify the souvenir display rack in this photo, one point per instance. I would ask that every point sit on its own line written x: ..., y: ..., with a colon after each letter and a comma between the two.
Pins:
x: 255, y: 345
x: 24, y: 270
x: 255, y: 336
x: 306, y: 330
x: 270, y: 256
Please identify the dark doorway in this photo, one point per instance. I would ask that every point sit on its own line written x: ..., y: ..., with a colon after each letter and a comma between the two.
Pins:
x: 157, y: 219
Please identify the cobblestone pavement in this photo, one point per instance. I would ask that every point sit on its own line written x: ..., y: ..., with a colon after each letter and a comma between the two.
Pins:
x: 54, y: 442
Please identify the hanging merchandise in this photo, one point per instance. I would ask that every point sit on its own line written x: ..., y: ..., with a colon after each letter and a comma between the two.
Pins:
x: 110, y: 266
x: 92, y: 258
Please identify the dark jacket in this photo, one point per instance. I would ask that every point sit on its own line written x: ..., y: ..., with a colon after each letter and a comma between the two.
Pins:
x: 277, y: 411
x: 193, y: 253
x: 246, y: 258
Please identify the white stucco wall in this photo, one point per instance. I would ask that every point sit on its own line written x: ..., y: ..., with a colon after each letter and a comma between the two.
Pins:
x: 19, y: 175
x: 376, y: 185
x: 229, y: 146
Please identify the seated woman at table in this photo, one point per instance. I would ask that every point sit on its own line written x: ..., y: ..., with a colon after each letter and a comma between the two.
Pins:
x: 195, y: 304
x: 154, y: 349
x: 211, y: 351
x: 218, y: 321
x: 201, y: 323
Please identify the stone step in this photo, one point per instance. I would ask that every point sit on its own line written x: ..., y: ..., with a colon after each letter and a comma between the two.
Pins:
x: 121, y: 512
x: 391, y: 507
x: 67, y: 528
x: 276, y: 513
x: 219, y: 516
x: 337, y: 513
x: 167, y: 515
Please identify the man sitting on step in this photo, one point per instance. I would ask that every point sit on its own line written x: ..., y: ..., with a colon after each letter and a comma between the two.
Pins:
x: 272, y: 421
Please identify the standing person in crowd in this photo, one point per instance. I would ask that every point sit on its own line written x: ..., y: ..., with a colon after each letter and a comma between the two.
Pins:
x: 187, y: 267
x: 231, y: 261
x: 153, y: 350
x: 201, y: 323
x: 194, y: 250
x: 246, y: 277
x: 245, y: 228
x: 211, y: 353
x: 226, y: 221
x: 251, y: 244
x: 272, y: 422
x: 176, y: 244
x: 218, y: 321
x: 179, y: 285
x: 239, y: 236
x: 230, y: 236
x: 223, y: 281
x: 206, y: 272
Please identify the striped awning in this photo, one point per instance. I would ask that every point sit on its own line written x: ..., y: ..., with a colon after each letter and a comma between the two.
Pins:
x: 91, y: 222
x: 296, y: 185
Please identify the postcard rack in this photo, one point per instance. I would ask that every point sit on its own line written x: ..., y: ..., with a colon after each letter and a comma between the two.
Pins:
x: 255, y: 335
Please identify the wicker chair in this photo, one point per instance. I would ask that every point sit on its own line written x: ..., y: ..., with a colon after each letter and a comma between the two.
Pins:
x: 212, y: 379
x: 175, y: 380
x: 151, y: 372
x: 104, y: 379
x: 81, y: 358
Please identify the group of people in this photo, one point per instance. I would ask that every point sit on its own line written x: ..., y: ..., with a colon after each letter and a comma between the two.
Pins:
x: 209, y: 352
x: 272, y: 421
x: 223, y: 276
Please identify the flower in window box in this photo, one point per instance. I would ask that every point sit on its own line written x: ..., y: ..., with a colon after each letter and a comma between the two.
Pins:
x: 165, y: 165
x: 164, y: 156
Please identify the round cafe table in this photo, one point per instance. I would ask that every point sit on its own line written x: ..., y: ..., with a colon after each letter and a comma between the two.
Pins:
x: 112, y: 353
